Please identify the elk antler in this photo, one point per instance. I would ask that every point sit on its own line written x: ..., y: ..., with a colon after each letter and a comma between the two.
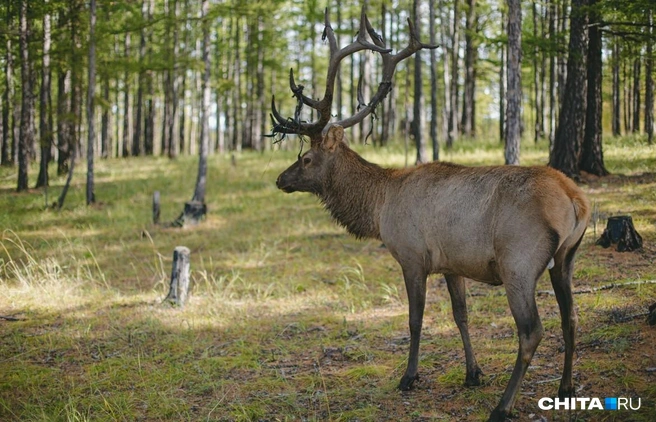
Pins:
x: 377, y: 44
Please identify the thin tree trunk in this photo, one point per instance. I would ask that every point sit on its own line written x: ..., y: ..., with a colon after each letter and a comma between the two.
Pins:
x: 91, y: 197
x: 649, y: 82
x: 149, y: 122
x: 169, y: 78
x: 127, y: 110
x: 562, y: 59
x: 571, y: 119
x: 447, y: 125
x: 236, y: 93
x: 592, y: 157
x: 199, y: 193
x: 26, y: 134
x: 616, y: 89
x: 45, y: 130
x: 455, y: 57
x: 502, y: 84
x: 260, y: 116
x: 418, y: 115
x: 552, y: 74
x: 7, y: 118
x: 537, y: 130
x: 141, y: 82
x: 627, y: 101
x: 433, y: 73
x: 636, y: 95
x: 105, y: 133
x: 338, y: 82
x: 468, y: 121
x: 63, y: 121
x: 514, y: 87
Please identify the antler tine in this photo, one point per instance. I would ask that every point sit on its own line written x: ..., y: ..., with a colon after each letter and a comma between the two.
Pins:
x: 324, y: 105
x: 298, y: 91
x: 389, y: 66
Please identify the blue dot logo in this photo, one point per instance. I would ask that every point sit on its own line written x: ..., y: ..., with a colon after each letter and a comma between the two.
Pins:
x: 610, y: 403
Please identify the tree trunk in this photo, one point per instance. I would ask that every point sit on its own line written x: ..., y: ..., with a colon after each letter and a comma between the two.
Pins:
x: 503, y: 60
x: 626, y: 102
x: 592, y: 157
x: 636, y: 96
x: 260, y: 115
x: 105, y: 133
x: 453, y: 86
x: 514, y: 83
x: 141, y: 82
x: 127, y: 110
x: 649, y: 83
x: 45, y: 130
x: 433, y: 73
x: 617, y: 130
x: 468, y: 122
x: 7, y: 118
x: 446, y: 75
x: 236, y: 90
x: 149, y: 123
x: 63, y: 121
x: 562, y: 60
x: 537, y: 129
x: 418, y: 115
x: 199, y: 193
x: 91, y: 139
x: 571, y: 119
x: 26, y: 134
x: 552, y: 74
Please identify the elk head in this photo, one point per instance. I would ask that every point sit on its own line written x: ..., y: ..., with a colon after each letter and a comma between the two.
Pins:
x: 311, y: 168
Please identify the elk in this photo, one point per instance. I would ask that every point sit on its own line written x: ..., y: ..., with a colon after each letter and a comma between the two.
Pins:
x: 500, y: 225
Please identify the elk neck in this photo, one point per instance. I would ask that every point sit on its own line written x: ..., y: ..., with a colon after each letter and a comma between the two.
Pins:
x: 354, y: 193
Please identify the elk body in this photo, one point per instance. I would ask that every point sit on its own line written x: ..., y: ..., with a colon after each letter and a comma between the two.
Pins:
x: 497, y: 225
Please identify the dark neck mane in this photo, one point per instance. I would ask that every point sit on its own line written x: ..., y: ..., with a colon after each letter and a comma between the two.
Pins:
x: 354, y: 192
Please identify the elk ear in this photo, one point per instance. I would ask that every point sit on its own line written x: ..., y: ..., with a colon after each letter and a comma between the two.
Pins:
x: 334, y: 136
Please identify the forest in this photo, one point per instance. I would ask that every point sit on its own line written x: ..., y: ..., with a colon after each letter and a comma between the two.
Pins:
x: 126, y: 78
x: 111, y: 110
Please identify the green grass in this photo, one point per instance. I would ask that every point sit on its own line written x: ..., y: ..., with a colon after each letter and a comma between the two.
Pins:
x: 290, y: 318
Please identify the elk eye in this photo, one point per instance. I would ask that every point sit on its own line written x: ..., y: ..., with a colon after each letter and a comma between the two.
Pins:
x: 306, y: 161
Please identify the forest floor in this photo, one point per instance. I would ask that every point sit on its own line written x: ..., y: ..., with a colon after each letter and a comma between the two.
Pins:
x: 291, y: 319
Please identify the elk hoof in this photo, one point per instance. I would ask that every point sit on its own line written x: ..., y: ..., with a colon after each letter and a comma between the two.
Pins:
x: 473, y: 379
x: 407, y: 381
x: 499, y: 416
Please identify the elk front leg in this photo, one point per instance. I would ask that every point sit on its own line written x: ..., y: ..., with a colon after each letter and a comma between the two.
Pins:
x: 415, y: 284
x: 456, y: 286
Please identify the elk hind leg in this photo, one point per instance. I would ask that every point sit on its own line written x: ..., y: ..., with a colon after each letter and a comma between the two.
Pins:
x: 456, y: 286
x: 561, y: 280
x: 521, y: 298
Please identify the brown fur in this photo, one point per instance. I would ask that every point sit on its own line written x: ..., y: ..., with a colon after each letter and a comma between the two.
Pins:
x: 497, y: 224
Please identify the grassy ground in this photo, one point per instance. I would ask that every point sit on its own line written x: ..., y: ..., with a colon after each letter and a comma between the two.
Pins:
x: 290, y: 318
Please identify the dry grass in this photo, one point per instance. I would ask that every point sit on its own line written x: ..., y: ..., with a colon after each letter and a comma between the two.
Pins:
x: 290, y: 318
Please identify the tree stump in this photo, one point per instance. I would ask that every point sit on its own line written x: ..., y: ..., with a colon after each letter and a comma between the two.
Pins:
x: 179, y: 288
x: 620, y: 230
x: 156, y: 207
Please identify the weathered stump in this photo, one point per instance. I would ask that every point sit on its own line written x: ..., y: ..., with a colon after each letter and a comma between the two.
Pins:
x: 156, y: 207
x: 179, y: 288
x: 620, y: 230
